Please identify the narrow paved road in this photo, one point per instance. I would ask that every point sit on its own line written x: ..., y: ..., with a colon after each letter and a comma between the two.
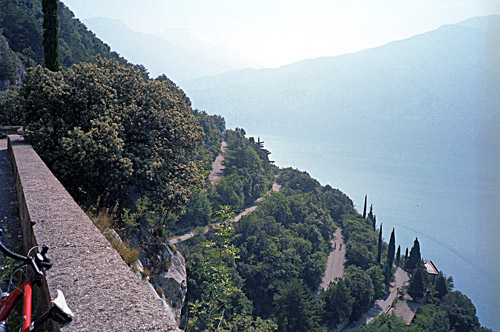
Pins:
x: 336, y: 260
x: 382, y: 305
x: 177, y: 239
x: 217, y: 167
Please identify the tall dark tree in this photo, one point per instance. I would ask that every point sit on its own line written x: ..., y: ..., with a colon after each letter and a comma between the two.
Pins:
x: 379, y: 248
x: 372, y: 217
x: 441, y: 286
x: 364, y: 208
x: 51, y: 34
x: 398, y: 256
x: 390, y: 256
x: 414, y: 258
x: 416, y: 283
x: 406, y: 254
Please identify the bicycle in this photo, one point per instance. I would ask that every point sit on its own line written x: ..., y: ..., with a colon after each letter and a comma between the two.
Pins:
x: 31, y: 268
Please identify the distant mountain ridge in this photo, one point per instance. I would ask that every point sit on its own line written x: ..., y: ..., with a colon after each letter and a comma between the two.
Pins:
x: 174, y: 52
x: 447, y: 78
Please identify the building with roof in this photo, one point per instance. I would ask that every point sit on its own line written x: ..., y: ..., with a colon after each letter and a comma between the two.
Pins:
x: 432, y: 271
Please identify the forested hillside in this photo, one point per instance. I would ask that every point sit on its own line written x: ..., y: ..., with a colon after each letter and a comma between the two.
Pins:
x: 21, y: 23
x: 135, y: 155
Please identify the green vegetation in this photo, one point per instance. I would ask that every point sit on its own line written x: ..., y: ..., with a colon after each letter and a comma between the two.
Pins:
x: 50, y: 34
x: 22, y: 25
x: 105, y: 132
x: 113, y: 136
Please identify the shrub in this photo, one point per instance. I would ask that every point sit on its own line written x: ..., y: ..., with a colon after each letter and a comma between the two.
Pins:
x: 105, y: 131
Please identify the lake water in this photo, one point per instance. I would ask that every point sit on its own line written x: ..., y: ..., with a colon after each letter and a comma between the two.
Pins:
x: 447, y: 194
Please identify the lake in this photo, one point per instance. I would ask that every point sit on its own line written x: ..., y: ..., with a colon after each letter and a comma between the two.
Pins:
x: 446, y: 193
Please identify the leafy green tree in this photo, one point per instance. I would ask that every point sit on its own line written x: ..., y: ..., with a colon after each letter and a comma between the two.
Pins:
x: 460, y: 312
x: 248, y: 323
x: 207, y: 313
x: 386, y: 323
x: 9, y: 112
x: 358, y: 254
x: 361, y: 289
x: 431, y: 318
x: 378, y: 280
x: 297, y: 309
x: 50, y: 34
x: 105, y: 132
x: 338, y: 303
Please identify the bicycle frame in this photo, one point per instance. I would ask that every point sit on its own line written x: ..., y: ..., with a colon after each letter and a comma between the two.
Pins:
x: 10, y: 301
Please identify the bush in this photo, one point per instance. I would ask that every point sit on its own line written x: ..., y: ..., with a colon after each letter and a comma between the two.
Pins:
x: 106, y: 132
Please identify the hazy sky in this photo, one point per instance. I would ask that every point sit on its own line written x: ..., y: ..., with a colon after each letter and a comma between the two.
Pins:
x: 278, y: 32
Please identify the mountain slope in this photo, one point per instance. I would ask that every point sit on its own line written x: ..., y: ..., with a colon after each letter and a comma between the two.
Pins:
x: 173, y: 52
x: 21, y: 24
x: 423, y: 82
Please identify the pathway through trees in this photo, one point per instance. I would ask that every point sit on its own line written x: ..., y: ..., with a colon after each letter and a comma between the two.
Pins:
x: 217, y: 167
x: 384, y: 305
x: 336, y: 260
x: 177, y: 239
x: 215, y: 174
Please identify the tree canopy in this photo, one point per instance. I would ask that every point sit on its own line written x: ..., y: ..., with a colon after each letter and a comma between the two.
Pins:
x: 106, y: 132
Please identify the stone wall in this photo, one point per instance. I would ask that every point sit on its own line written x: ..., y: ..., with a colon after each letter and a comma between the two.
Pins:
x: 99, y: 287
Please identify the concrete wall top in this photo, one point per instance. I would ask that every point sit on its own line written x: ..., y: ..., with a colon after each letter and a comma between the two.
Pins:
x: 99, y: 287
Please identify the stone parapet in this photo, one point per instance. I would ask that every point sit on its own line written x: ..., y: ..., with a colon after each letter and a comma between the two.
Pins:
x: 100, y: 288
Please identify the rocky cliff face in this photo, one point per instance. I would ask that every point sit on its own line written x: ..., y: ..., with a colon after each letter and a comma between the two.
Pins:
x: 12, y: 70
x: 161, y: 265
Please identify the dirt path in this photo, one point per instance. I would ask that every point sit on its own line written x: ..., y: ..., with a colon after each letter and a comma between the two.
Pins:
x: 336, y: 260
x: 217, y: 166
x: 383, y: 305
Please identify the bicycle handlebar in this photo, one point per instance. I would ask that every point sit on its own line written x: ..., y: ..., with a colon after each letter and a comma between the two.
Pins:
x: 40, y: 260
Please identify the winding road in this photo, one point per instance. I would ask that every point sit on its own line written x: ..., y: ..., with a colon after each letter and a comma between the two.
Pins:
x: 336, y: 260
x: 215, y: 174
x: 384, y: 305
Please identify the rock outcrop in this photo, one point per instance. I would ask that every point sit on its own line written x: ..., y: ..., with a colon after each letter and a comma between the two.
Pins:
x: 12, y: 70
x: 160, y: 265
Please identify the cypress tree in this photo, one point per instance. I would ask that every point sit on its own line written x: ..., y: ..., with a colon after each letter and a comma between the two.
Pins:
x: 379, y: 251
x: 390, y: 257
x: 416, y: 284
x: 50, y: 34
x: 406, y: 254
x: 398, y: 256
x: 364, y: 208
x: 414, y: 258
x: 391, y: 249
x: 441, y: 286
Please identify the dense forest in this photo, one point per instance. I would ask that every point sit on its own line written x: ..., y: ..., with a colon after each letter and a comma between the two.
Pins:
x: 119, y: 140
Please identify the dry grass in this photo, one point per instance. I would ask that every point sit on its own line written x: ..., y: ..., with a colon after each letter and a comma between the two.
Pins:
x: 104, y: 220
